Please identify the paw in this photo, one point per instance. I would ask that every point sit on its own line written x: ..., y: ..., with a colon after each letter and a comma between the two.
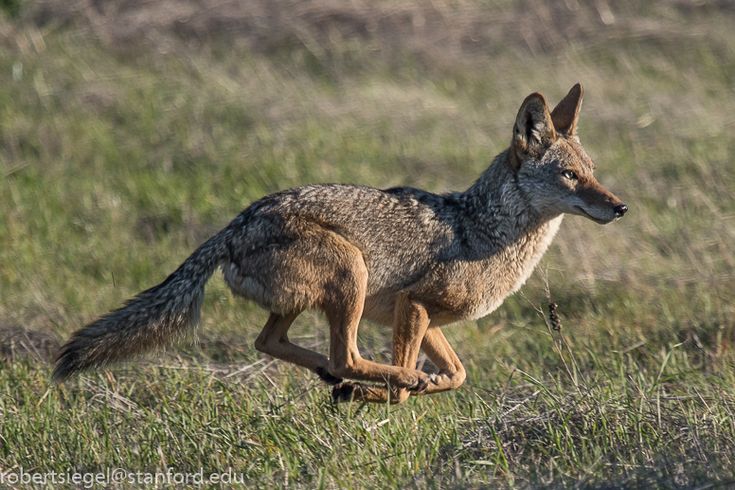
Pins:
x: 343, y: 392
x: 422, y: 383
x: 327, y: 377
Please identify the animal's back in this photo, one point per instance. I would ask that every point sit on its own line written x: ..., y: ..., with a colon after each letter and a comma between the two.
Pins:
x: 399, y: 232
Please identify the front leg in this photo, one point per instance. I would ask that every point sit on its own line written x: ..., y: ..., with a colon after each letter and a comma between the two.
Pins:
x: 451, y: 371
x: 411, y: 322
x: 273, y: 340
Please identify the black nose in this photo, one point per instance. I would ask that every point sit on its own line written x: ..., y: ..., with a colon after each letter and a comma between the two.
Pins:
x: 620, y: 210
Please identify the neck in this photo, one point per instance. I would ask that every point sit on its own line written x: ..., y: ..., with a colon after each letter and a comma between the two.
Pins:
x: 498, y: 205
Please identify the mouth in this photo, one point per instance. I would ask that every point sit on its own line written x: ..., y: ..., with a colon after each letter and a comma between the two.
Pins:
x: 596, y: 220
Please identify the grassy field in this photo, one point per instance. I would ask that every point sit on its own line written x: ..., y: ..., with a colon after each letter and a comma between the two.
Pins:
x: 130, y: 133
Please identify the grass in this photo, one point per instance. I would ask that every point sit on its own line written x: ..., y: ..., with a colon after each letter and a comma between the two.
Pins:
x: 120, y: 154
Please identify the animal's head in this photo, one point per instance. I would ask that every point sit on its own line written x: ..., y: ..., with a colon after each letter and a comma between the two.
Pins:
x: 552, y: 168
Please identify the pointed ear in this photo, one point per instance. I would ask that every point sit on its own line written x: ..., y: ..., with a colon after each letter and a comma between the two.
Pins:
x: 534, y: 131
x: 566, y: 114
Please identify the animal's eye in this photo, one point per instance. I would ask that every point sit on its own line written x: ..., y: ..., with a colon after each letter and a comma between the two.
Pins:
x: 568, y: 174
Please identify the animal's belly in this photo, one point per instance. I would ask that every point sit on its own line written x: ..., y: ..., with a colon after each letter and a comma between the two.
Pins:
x: 380, y: 309
x: 470, y: 309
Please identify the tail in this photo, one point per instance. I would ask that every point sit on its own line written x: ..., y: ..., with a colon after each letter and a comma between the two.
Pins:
x: 148, y: 321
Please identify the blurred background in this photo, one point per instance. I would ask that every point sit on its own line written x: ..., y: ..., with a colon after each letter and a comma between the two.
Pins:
x: 131, y: 130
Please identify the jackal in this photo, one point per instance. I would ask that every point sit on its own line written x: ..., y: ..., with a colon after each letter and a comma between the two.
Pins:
x: 401, y: 257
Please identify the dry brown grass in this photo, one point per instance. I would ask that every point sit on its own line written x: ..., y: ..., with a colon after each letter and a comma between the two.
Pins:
x: 18, y: 343
x: 435, y: 30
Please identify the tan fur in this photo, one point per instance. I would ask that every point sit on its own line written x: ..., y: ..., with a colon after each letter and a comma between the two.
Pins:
x: 404, y: 258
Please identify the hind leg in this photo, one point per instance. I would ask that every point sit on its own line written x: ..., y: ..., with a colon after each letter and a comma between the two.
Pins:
x: 320, y: 269
x: 344, y: 301
x: 410, y: 325
x: 451, y: 373
x: 273, y: 340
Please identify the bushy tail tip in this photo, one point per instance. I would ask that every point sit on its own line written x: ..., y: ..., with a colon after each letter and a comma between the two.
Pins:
x: 148, y: 321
